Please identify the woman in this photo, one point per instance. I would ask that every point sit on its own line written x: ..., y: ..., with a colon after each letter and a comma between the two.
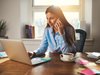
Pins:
x: 59, y: 35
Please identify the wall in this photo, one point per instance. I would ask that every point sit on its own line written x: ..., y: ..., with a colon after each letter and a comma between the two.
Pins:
x: 25, y: 14
x: 10, y: 12
x: 15, y: 12
x: 92, y: 21
x: 96, y: 24
x: 88, y: 18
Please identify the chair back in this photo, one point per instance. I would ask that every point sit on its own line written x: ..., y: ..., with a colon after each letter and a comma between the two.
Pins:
x: 81, y: 41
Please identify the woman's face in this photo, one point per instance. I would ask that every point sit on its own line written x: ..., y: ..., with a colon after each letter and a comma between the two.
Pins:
x: 51, y: 19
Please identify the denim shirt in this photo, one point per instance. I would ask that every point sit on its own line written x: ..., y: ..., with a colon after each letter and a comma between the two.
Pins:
x: 53, y: 42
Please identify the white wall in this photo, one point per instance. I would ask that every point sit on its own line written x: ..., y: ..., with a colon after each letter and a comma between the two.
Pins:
x: 15, y: 12
x: 10, y: 12
x: 25, y: 14
x: 88, y: 18
x: 92, y: 18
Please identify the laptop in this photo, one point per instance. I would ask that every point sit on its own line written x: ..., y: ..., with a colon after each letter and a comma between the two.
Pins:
x: 16, y: 51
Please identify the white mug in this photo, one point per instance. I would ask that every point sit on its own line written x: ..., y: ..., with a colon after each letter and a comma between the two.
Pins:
x: 67, y: 57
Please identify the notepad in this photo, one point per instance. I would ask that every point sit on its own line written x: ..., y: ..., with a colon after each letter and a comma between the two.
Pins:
x: 39, y: 60
x: 3, y: 54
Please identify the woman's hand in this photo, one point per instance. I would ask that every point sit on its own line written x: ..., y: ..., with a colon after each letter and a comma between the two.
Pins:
x: 59, y: 26
x: 31, y: 54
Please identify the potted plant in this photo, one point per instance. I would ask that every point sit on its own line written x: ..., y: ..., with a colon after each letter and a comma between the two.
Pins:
x: 2, y: 28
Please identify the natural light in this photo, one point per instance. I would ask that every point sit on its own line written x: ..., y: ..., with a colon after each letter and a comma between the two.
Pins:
x: 70, y: 9
x: 56, y: 2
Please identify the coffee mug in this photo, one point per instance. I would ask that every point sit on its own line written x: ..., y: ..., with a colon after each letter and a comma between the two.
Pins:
x: 67, y: 57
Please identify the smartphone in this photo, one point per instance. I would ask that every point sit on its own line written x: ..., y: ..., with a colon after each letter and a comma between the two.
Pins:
x: 55, y: 25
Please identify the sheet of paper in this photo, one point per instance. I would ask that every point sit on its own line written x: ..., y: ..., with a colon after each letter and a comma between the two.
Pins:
x: 81, y: 61
x: 95, y: 55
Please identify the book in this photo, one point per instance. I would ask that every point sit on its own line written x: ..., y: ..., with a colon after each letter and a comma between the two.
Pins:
x: 29, y: 31
x: 33, y: 32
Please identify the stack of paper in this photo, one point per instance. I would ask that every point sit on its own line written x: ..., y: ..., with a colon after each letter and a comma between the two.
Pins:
x: 95, y: 55
x: 90, y: 69
x: 81, y: 61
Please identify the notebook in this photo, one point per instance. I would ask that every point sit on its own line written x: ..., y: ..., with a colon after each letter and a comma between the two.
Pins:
x: 16, y: 51
x: 3, y: 54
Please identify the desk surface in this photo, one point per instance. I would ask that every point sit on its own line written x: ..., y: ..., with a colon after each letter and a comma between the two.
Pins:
x: 54, y: 67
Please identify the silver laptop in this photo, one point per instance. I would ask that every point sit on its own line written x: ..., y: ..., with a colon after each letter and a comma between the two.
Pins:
x: 16, y: 51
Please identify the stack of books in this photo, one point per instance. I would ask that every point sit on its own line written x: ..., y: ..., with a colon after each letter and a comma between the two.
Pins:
x: 29, y: 31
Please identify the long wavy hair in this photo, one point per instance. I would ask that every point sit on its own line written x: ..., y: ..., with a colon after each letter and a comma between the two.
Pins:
x: 68, y: 28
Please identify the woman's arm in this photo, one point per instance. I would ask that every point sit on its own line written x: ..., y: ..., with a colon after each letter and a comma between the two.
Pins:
x: 43, y: 46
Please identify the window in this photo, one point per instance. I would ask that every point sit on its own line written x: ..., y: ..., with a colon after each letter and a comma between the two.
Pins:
x: 72, y: 10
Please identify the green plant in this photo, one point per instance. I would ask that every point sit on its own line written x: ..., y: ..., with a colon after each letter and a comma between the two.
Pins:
x: 2, y: 28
